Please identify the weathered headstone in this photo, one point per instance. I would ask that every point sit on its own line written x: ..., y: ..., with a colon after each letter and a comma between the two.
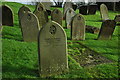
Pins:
x: 83, y: 10
x: 41, y: 13
x: 52, y: 48
x: 30, y: 27
x: 65, y: 7
x: 70, y: 13
x: 107, y: 30
x: 117, y: 18
x: 21, y: 12
x: 56, y: 16
x: 47, y: 4
x: 92, y: 9
x: 7, y: 15
x: 104, y: 12
x: 78, y: 27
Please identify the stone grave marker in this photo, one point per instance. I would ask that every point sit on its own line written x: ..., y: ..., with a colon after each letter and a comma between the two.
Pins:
x: 70, y: 13
x: 30, y: 27
x: 65, y: 7
x: 21, y: 12
x: 104, y: 12
x: 92, y: 9
x: 7, y: 15
x: 41, y: 13
x: 107, y: 30
x: 52, y: 48
x: 117, y: 18
x: 56, y: 16
x: 78, y: 27
x: 83, y: 10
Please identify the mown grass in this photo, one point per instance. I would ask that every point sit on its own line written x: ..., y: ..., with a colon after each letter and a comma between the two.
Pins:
x: 20, y: 59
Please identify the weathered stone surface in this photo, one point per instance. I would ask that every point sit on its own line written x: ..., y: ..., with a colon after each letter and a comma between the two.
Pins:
x: 30, y: 27
x: 104, y: 12
x: 117, y: 18
x: 56, y: 16
x: 78, y: 27
x: 92, y: 9
x: 21, y: 12
x: 41, y: 13
x: 83, y: 9
x: 47, y: 4
x: 65, y: 7
x: 52, y: 48
x: 7, y: 16
x: 107, y: 30
x: 70, y: 13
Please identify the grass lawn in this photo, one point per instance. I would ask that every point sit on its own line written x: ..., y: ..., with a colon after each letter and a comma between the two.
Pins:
x: 20, y: 59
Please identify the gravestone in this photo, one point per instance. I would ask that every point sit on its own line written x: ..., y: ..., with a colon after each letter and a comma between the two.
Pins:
x: 41, y: 13
x: 65, y: 7
x: 107, y: 30
x: 30, y: 27
x: 104, y: 12
x: 83, y: 10
x: 117, y: 18
x: 47, y: 4
x: 78, y: 27
x: 52, y: 48
x: 21, y: 12
x: 70, y: 13
x: 56, y: 16
x: 7, y: 15
x: 92, y: 9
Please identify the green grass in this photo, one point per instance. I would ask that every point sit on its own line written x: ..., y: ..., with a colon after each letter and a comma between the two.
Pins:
x: 20, y: 59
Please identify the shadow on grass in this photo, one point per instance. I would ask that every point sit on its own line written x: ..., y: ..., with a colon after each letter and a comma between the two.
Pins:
x: 19, y: 71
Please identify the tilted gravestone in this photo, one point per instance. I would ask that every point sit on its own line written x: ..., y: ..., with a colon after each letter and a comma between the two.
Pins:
x: 47, y: 4
x: 41, y: 13
x: 52, y: 48
x: 70, y: 13
x: 7, y: 16
x: 117, y: 18
x: 56, y: 16
x: 30, y: 27
x: 104, y: 12
x: 106, y: 30
x: 78, y: 27
x: 65, y: 7
x: 83, y: 10
x: 21, y: 12
x: 92, y: 9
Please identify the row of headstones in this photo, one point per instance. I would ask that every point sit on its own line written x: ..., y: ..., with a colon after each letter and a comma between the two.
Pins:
x: 52, y: 40
x: 51, y: 37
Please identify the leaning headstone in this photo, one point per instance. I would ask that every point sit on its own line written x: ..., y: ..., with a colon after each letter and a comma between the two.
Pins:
x: 41, y: 13
x: 107, y: 30
x: 70, y: 13
x: 21, y: 12
x: 56, y: 16
x: 117, y: 18
x: 78, y: 27
x: 83, y: 10
x: 65, y: 7
x: 104, y: 12
x: 92, y: 9
x: 7, y: 16
x: 30, y: 27
x: 52, y: 48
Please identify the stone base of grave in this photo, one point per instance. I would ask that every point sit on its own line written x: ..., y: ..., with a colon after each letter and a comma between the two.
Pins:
x: 92, y: 29
x: 88, y: 57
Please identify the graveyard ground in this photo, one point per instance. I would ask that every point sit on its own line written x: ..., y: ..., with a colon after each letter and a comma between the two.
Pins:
x: 20, y: 59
